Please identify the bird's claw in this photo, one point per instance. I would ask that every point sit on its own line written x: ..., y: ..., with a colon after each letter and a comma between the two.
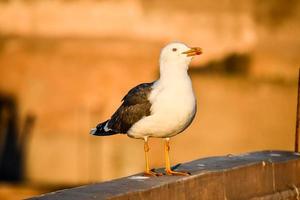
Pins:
x: 152, y: 173
x: 175, y: 173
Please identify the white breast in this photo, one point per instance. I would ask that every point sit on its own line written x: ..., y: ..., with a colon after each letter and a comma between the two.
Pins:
x: 173, y: 109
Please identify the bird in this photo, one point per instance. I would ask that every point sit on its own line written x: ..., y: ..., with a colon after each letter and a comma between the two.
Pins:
x: 160, y: 109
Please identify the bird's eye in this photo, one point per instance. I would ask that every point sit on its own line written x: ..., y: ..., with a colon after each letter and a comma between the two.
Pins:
x: 174, y: 49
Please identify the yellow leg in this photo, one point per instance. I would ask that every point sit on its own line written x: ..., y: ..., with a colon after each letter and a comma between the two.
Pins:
x: 148, y: 172
x: 168, y: 169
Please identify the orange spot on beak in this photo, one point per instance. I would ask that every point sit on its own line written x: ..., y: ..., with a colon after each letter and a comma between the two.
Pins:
x: 194, y: 51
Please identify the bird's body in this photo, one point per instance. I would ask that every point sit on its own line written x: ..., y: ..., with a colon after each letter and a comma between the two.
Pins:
x: 173, y: 107
x: 159, y: 109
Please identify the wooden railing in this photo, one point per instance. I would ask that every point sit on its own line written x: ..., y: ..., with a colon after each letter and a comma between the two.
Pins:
x: 258, y: 175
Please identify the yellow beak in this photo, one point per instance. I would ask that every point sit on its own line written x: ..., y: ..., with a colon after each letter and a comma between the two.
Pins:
x: 194, y: 51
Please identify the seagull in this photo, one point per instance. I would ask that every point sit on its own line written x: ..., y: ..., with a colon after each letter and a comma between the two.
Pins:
x: 160, y: 109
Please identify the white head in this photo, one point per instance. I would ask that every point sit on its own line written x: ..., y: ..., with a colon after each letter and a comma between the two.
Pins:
x: 177, y: 54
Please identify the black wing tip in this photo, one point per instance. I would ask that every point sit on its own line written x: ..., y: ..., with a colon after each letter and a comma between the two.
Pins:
x: 93, y: 131
x: 101, y: 130
x: 98, y: 132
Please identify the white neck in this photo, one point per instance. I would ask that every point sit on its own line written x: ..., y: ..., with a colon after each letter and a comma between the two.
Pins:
x: 170, y: 72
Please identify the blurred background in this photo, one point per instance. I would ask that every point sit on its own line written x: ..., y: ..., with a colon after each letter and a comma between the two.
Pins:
x: 66, y: 64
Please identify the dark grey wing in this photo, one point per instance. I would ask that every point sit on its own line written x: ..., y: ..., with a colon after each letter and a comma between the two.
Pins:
x: 134, y: 107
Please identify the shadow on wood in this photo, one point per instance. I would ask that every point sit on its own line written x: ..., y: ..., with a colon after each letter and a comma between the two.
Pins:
x: 257, y: 175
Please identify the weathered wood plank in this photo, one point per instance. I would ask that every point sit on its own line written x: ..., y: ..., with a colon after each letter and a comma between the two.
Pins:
x: 257, y: 175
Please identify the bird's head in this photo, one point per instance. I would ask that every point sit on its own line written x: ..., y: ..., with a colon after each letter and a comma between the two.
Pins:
x: 178, y: 54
